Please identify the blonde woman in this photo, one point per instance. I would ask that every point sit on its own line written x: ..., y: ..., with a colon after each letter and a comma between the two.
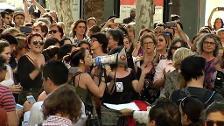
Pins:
x: 174, y: 79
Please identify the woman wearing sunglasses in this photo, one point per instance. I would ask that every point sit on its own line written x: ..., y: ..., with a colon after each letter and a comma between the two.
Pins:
x: 214, y: 115
x: 29, y: 67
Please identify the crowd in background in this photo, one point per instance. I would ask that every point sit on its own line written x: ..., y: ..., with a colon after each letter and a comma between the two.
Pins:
x: 178, y: 80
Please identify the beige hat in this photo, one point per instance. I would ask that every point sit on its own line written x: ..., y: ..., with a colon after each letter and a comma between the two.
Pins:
x: 20, y: 12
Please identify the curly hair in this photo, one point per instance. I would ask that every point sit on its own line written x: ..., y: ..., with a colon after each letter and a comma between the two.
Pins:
x: 216, y: 40
x: 64, y: 101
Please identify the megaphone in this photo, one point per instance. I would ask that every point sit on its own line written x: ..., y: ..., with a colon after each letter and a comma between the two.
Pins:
x: 120, y: 57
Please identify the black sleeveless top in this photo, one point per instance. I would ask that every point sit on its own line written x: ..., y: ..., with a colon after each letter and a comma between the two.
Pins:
x: 123, y: 90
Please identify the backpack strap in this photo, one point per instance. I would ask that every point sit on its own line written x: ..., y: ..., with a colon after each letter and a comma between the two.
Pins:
x: 209, y: 99
x: 186, y: 92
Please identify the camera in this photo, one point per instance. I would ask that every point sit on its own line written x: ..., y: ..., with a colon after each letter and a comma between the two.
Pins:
x: 171, y: 24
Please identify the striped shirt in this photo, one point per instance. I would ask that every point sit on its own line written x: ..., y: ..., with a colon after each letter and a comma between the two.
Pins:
x: 7, y: 101
x: 57, y: 121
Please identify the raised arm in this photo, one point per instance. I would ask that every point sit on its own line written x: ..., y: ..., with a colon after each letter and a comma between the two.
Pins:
x: 42, y: 10
x: 26, y: 12
x: 210, y: 16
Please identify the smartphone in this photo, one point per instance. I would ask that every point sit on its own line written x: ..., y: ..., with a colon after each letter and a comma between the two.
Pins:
x: 171, y: 24
x: 30, y: 99
x: 220, y: 8
x: 19, y: 107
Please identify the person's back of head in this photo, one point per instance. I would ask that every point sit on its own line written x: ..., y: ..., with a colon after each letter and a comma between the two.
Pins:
x: 50, y: 42
x: 164, y: 113
x: 56, y: 71
x: 63, y: 102
x: 10, y: 39
x: 191, y: 110
x: 192, y: 67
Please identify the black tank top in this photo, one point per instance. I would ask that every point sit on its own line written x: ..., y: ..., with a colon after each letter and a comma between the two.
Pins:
x: 123, y: 92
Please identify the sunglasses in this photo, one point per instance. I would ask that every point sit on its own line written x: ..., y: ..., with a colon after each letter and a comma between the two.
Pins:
x: 38, y: 42
x: 53, y: 32
x: 211, y: 123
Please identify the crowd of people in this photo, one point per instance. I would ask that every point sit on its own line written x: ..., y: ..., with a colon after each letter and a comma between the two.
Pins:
x: 51, y: 78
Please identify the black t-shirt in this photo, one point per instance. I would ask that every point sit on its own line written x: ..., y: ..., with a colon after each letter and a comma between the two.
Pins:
x: 201, y: 93
x: 123, y: 90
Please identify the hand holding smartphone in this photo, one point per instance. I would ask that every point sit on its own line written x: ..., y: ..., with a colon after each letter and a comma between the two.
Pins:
x: 19, y: 107
x: 30, y: 99
x: 171, y: 24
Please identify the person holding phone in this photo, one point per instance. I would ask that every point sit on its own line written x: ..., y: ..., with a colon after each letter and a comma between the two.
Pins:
x: 30, y: 67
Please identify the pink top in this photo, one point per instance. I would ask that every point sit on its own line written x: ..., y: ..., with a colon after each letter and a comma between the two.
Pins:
x: 164, y: 66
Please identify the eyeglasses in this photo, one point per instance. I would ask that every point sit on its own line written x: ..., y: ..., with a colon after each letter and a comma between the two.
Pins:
x: 207, y: 42
x: 148, y: 43
x: 53, y: 32
x: 211, y: 123
x: 38, y: 42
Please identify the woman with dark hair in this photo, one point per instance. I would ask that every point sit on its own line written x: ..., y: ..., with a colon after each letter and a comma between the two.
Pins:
x: 62, y: 107
x: 5, y: 53
x: 99, y: 44
x: 56, y: 31
x: 84, y: 44
x: 218, y: 23
x: 124, y: 87
x: 115, y: 39
x: 79, y: 30
x: 191, y: 110
x: 30, y: 67
x: 80, y: 61
x: 214, y: 114
x: 164, y: 113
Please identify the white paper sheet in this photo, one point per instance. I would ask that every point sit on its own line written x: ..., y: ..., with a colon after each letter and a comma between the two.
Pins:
x: 131, y: 106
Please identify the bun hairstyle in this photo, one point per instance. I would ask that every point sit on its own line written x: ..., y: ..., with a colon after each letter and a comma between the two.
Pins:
x: 75, y: 57
x: 50, y: 52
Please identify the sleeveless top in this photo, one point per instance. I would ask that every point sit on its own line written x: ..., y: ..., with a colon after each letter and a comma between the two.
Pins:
x: 84, y: 94
x: 123, y: 90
